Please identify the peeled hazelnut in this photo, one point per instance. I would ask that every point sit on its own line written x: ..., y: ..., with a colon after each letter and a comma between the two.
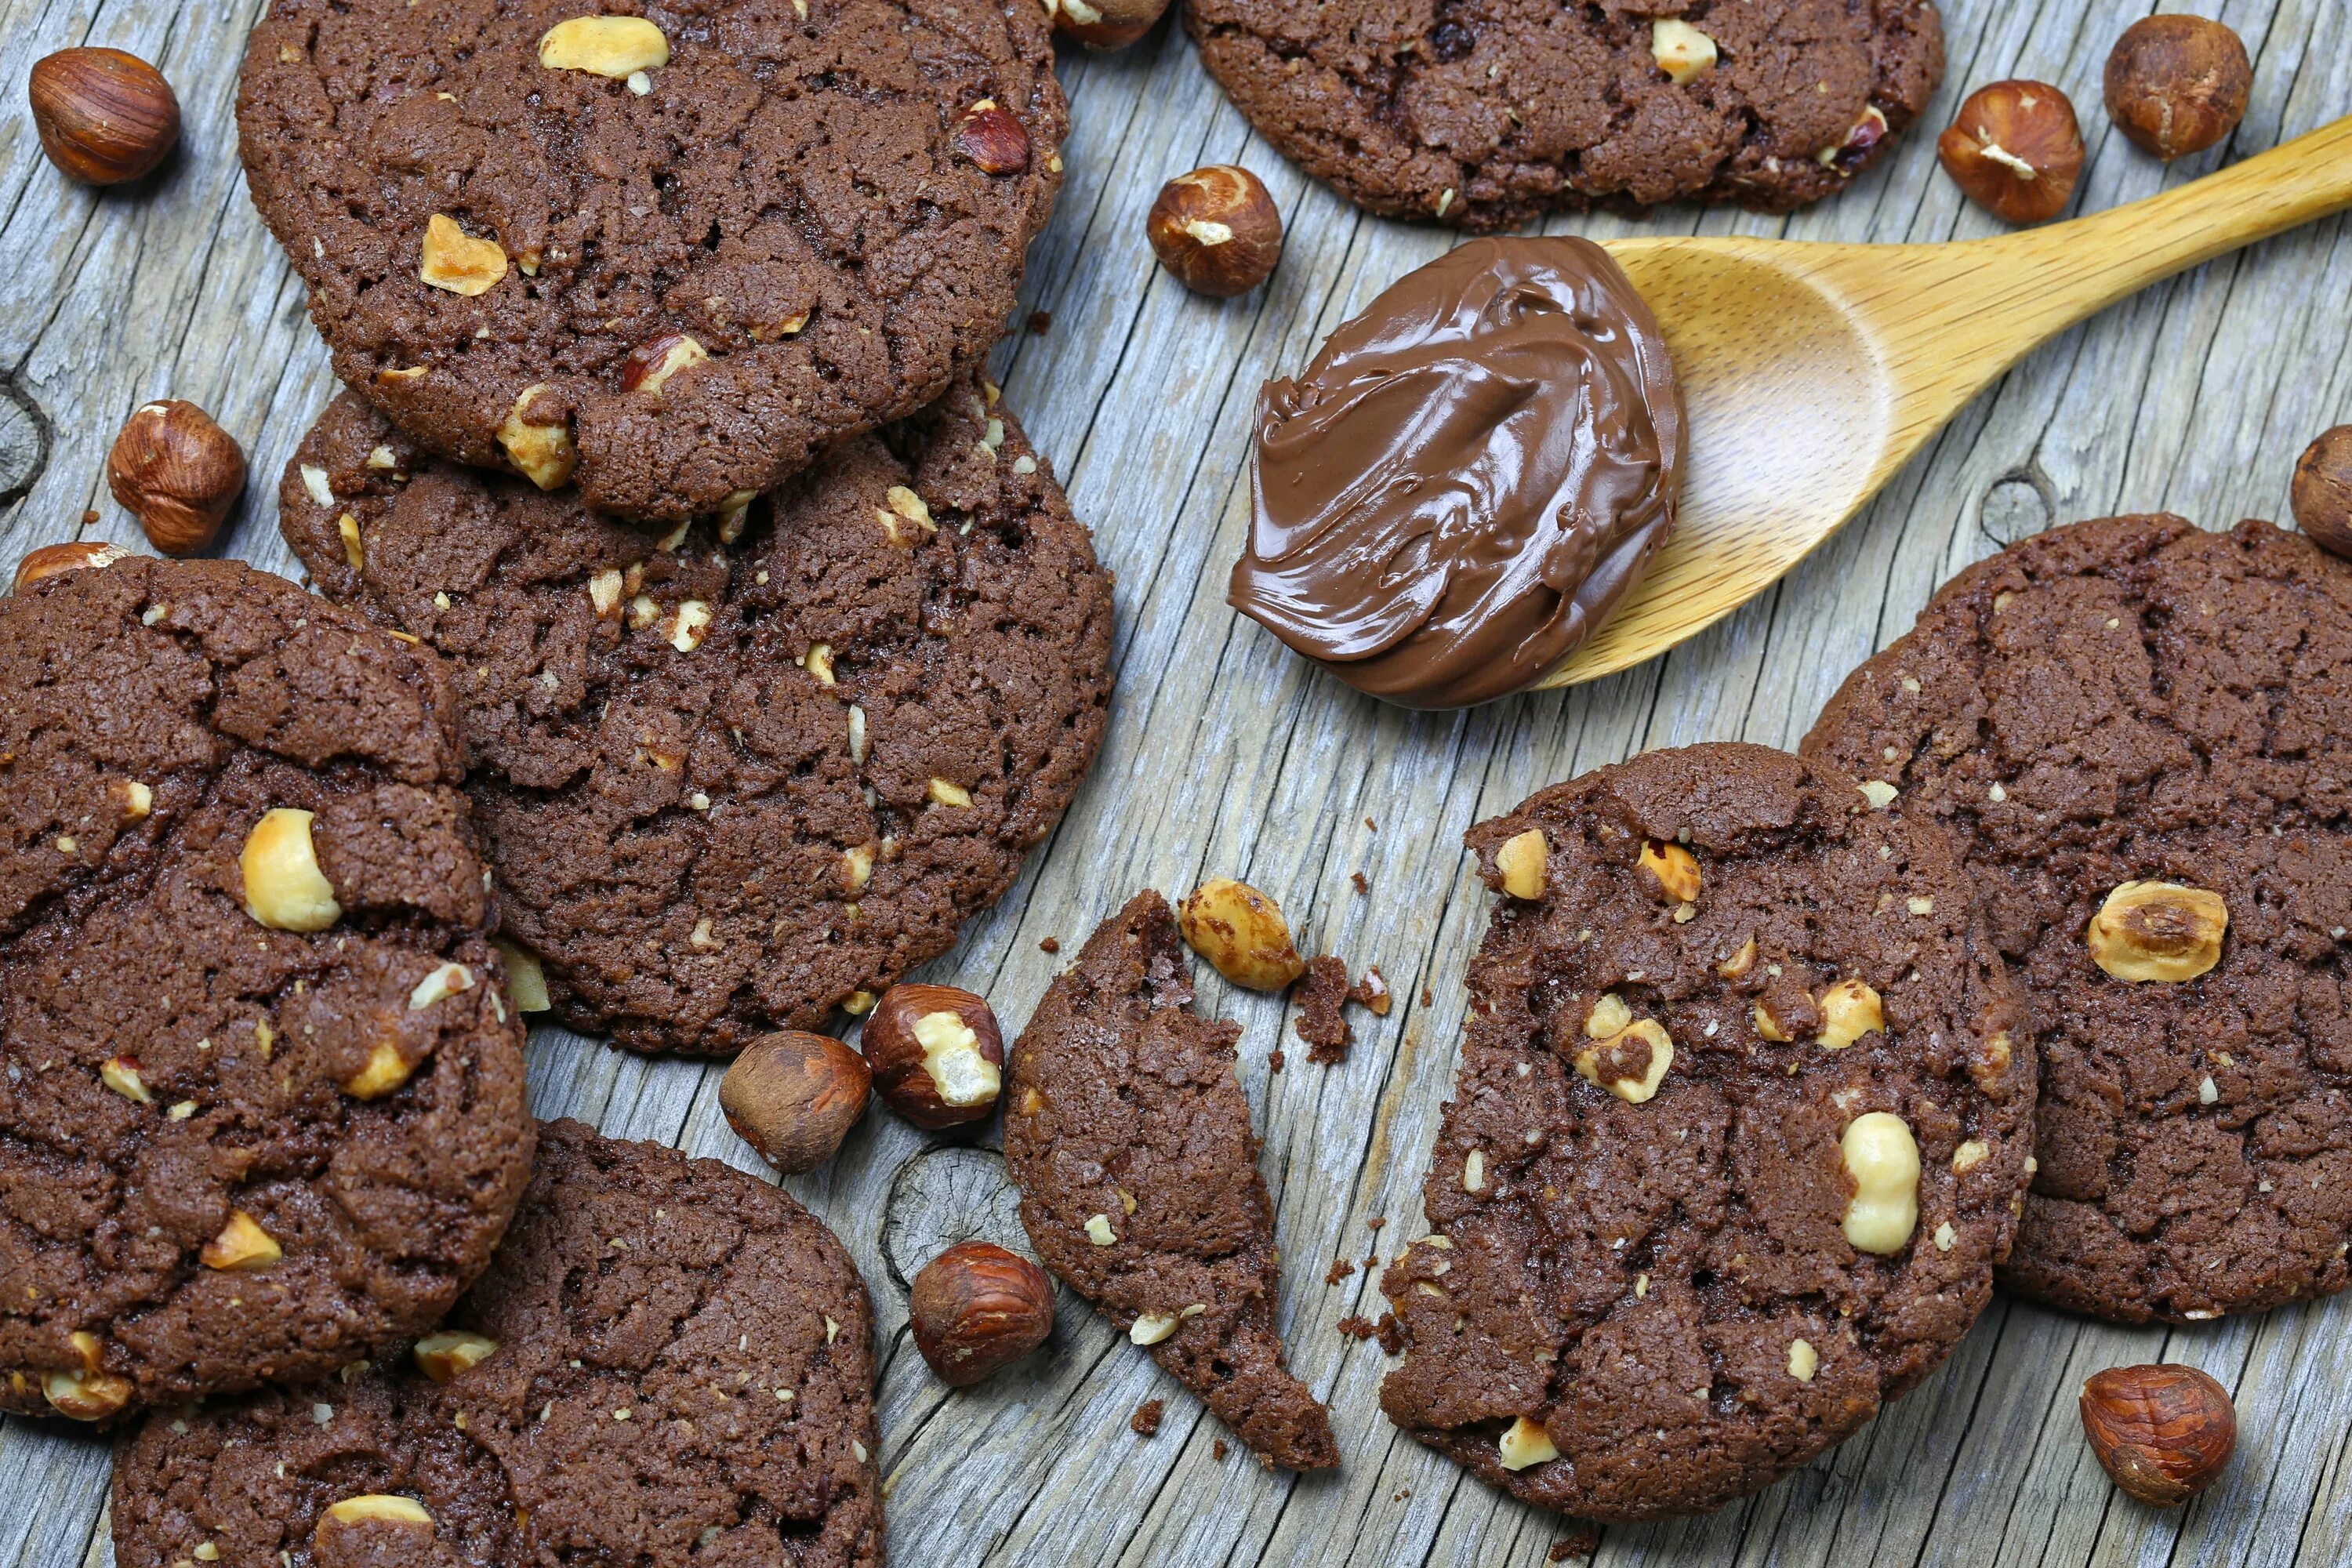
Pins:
x: 526, y: 978
x: 1674, y: 871
x: 1850, y: 1010
x: 177, y: 472
x: 2015, y: 151
x: 1520, y: 862
x: 651, y: 365
x: 1216, y: 229
x: 614, y: 47
x: 284, y: 889
x: 456, y: 262
x: 977, y: 1308
x: 543, y: 454
x: 994, y: 141
x: 447, y: 1354
x: 2157, y: 930
x: 1105, y: 24
x: 242, y: 1246
x: 936, y: 1053
x: 384, y: 1070
x: 104, y: 116
x: 353, y: 1514
x: 86, y: 1393
x: 2322, y: 497
x: 1882, y: 1158
x: 1242, y: 933
x: 2162, y: 1433
x: 795, y: 1096
x: 1682, y: 51
x: 2178, y: 85
x: 76, y: 555
x: 1525, y: 1443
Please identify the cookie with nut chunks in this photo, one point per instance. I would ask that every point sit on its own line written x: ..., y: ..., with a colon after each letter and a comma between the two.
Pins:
x: 1743, y: 1119
x: 2141, y: 734
x: 672, y: 250
x: 740, y: 775
x: 1129, y: 1139
x: 670, y: 1362
x: 1490, y: 114
x: 262, y: 1111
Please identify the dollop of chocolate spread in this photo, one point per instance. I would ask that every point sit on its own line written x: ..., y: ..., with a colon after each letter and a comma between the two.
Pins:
x: 1468, y: 477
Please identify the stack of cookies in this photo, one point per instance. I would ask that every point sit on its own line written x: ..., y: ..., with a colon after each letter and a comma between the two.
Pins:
x: 702, y: 643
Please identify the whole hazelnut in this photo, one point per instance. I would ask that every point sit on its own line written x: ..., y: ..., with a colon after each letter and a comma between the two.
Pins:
x: 977, y: 1308
x: 795, y: 1096
x: 936, y: 1053
x: 1242, y: 933
x: 1217, y: 230
x: 2178, y: 85
x: 1105, y: 24
x: 178, y: 473
x: 2322, y: 497
x: 994, y: 141
x: 2163, y: 1433
x: 75, y: 555
x: 2016, y: 150
x: 104, y: 116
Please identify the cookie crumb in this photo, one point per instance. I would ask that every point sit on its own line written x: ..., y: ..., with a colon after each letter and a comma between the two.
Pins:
x: 1321, y: 1023
x: 1050, y: 945
x: 1392, y: 1334
x: 1372, y: 990
x: 1362, y: 887
x: 1399, y: 1494
x: 1583, y: 1543
x: 1145, y: 1422
x: 1041, y: 321
x: 1426, y: 999
x: 1217, y: 1450
x: 1338, y: 1271
x: 1374, y: 1224
x: 1371, y: 824
x: 1357, y: 1327
x: 1274, y: 1060
x: 87, y: 517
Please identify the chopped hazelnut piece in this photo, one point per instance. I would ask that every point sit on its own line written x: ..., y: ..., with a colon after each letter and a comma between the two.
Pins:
x: 1520, y: 863
x: 1850, y: 1010
x: 241, y: 1245
x: 1524, y: 1444
x: 455, y: 261
x: 2158, y: 931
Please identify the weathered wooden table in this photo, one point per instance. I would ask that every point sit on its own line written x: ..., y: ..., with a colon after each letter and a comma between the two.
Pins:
x: 1228, y: 756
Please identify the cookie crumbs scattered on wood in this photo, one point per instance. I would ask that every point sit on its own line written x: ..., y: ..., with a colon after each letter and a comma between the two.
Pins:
x: 1145, y: 1422
x: 1338, y: 1271
x: 1322, y: 1023
x: 1050, y: 945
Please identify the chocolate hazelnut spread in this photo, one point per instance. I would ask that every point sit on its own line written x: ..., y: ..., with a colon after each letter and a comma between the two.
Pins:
x: 1468, y: 477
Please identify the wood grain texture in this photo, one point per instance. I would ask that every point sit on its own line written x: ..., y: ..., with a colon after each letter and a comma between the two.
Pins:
x: 1226, y: 755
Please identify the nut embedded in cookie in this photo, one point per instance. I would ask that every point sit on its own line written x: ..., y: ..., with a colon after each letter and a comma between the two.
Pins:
x: 2157, y: 930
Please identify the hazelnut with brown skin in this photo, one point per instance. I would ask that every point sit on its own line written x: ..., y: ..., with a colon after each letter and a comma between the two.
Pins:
x: 2016, y: 150
x: 2163, y: 1433
x: 936, y: 1053
x: 104, y: 116
x: 178, y: 473
x: 1217, y: 230
x: 992, y: 138
x: 795, y: 1096
x: 976, y: 1309
x: 76, y: 555
x: 2322, y: 497
x: 2177, y: 85
x: 1106, y: 24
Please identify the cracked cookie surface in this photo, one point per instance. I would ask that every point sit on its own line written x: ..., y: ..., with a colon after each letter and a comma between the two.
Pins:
x: 732, y: 775
x: 777, y: 181
x: 1648, y: 1290
x: 235, y: 1151
x: 1487, y: 114
x: 670, y: 1362
x: 1129, y: 1138
x: 2136, y: 700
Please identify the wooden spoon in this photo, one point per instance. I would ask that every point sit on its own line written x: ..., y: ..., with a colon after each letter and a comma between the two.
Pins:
x: 1813, y: 372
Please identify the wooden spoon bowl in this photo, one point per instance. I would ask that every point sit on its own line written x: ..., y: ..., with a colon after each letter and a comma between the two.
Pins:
x: 1813, y: 372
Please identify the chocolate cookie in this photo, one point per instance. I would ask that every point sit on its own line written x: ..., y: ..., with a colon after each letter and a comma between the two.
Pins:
x: 1129, y: 1139
x: 1743, y: 1119
x: 1490, y: 114
x: 669, y: 1363
x: 682, y: 245
x: 732, y: 776
x: 262, y: 1108
x: 2140, y: 731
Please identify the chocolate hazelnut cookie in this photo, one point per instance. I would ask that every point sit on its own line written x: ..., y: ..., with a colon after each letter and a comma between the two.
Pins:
x: 1129, y: 1138
x: 2140, y: 731
x: 670, y: 250
x: 1742, y: 1124
x: 1487, y: 114
x: 669, y: 1363
x: 262, y: 1110
x: 733, y: 776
